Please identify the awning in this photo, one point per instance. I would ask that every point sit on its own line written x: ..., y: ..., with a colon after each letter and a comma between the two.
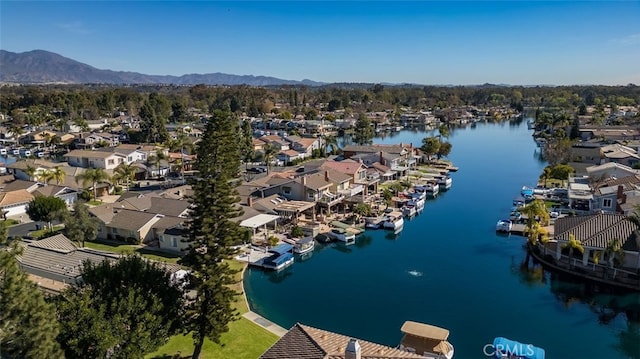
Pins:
x: 424, y: 330
x: 258, y: 220
x: 281, y: 248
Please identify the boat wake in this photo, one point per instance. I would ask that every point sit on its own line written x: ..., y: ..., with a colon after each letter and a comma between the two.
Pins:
x: 415, y: 273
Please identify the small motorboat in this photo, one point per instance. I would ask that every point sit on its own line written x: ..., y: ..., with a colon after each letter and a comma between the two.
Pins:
x: 504, y: 225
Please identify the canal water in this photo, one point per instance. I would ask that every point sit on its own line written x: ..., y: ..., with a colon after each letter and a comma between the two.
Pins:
x: 449, y: 268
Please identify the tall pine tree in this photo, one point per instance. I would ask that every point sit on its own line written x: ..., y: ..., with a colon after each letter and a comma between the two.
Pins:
x: 28, y: 325
x: 211, y: 231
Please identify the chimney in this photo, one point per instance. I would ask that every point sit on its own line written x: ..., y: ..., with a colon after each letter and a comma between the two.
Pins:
x: 621, y: 198
x: 326, y: 176
x: 381, y: 160
x: 352, y: 351
x: 304, y: 180
x: 250, y: 201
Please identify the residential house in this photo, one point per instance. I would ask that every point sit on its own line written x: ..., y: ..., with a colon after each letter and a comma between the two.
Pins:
x: 158, y: 205
x: 58, y: 260
x: 258, y: 144
x: 95, y: 159
x: 13, y: 203
x: 611, y: 194
x: 288, y: 156
x: 134, y: 154
x: 171, y: 234
x: 305, y: 146
x: 118, y: 223
x: 587, y: 152
x: 362, y: 182
x: 327, y: 188
x: 97, y: 139
x: 595, y: 233
x: 68, y: 195
x: 302, y: 341
x: 620, y: 154
x: 610, y: 133
x: 276, y: 141
x: 610, y: 169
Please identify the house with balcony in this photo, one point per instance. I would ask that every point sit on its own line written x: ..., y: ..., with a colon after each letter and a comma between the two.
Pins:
x: 602, y: 259
x: 328, y: 188
x: 610, y: 169
x: 579, y: 194
x: 306, y: 145
x: 288, y: 156
x: 362, y: 182
x: 95, y: 159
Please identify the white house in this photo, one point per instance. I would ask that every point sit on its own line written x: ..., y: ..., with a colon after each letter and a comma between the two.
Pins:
x: 95, y: 159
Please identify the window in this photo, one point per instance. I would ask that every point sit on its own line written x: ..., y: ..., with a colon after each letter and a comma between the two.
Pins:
x: 110, y: 162
x: 286, y: 190
x: 363, y: 174
x: 310, y: 195
x: 606, y: 203
x: 114, y: 230
x: 174, y: 242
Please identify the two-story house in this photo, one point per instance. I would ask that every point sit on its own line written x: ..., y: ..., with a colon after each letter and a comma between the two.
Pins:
x: 362, y: 182
x: 95, y: 159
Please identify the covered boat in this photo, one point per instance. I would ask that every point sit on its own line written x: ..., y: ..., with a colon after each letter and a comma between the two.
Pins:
x: 281, y: 257
x: 427, y: 340
x: 304, y: 245
x: 506, y: 348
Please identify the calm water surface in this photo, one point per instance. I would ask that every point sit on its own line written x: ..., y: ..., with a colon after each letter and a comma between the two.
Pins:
x: 449, y: 268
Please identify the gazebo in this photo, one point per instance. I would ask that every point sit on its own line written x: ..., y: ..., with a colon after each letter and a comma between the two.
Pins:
x: 260, y: 220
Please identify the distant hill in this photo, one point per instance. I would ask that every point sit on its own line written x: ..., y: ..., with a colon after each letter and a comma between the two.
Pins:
x: 39, y: 66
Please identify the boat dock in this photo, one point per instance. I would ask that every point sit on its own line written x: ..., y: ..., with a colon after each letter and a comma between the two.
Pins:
x: 519, y: 229
x: 348, y: 228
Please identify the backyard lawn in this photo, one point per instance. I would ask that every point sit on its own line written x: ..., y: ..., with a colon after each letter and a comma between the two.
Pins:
x: 244, y: 340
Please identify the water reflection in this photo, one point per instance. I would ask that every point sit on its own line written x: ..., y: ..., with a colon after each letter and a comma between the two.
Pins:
x: 610, y: 306
x: 281, y: 275
x: 363, y: 240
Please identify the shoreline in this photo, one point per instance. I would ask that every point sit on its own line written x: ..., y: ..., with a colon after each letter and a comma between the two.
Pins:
x: 256, y: 318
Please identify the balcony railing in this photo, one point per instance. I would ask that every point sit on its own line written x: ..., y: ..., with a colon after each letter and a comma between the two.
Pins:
x: 330, y: 199
x: 351, y: 191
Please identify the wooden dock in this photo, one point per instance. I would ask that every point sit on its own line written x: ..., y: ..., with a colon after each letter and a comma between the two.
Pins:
x: 520, y: 228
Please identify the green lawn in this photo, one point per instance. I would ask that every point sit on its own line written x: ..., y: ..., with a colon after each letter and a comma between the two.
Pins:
x: 130, y: 248
x: 45, y: 232
x: 244, y: 340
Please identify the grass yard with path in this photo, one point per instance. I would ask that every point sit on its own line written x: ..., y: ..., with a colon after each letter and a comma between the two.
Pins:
x: 244, y: 340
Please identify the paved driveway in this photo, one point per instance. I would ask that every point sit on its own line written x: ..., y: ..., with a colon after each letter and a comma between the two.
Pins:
x: 22, y: 230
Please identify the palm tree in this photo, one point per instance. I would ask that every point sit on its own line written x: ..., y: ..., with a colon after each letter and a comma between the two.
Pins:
x: 30, y: 171
x: 572, y: 244
x: 93, y: 176
x: 269, y: 154
x: 58, y: 174
x: 330, y: 141
x: 44, y: 176
x: 126, y: 172
x: 156, y: 158
x: 614, y: 252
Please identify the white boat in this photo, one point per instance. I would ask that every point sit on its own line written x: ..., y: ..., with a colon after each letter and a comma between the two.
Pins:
x: 418, y: 202
x: 409, y: 209
x: 504, y: 225
x: 3, y: 151
x: 373, y: 222
x: 280, y: 258
x: 304, y: 245
x: 15, y: 152
x: 426, y: 340
x: 342, y: 235
x: 394, y: 221
x: 444, y: 182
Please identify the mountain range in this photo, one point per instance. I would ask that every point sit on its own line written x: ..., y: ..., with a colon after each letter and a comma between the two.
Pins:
x: 39, y: 66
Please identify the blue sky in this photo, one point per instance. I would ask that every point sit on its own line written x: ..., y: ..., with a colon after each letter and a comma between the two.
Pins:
x: 425, y: 42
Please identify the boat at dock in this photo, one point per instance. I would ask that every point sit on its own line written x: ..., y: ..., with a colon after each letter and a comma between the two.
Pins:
x: 504, y: 348
x: 426, y: 340
x: 374, y: 222
x: 444, y: 181
x: 504, y: 225
x: 394, y: 221
x: 430, y: 188
x: 281, y: 257
x: 409, y: 210
x: 342, y: 235
x: 304, y: 245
